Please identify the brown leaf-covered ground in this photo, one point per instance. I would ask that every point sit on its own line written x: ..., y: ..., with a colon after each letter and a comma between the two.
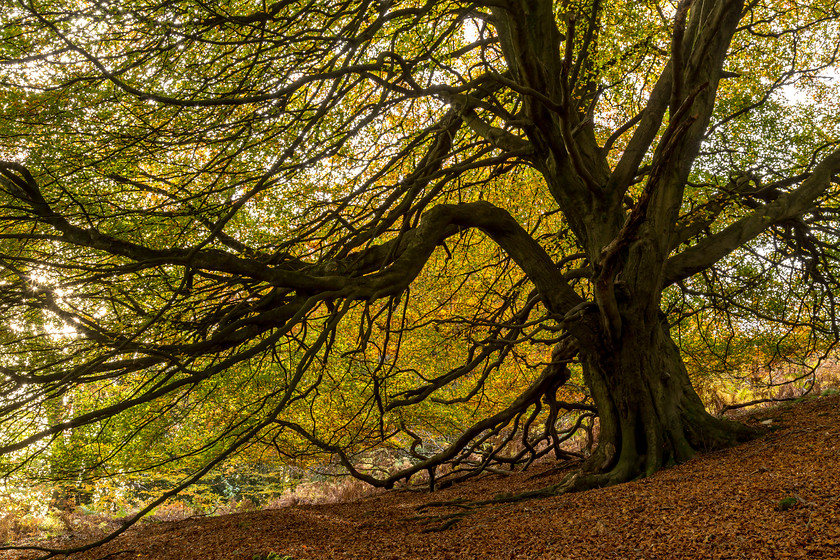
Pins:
x: 719, y: 505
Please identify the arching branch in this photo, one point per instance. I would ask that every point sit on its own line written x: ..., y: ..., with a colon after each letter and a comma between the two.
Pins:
x: 715, y: 247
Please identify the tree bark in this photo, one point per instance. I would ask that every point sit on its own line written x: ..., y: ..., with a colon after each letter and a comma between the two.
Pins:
x: 650, y: 415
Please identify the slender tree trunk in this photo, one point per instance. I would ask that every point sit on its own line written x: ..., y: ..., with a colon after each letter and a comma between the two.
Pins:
x: 650, y: 415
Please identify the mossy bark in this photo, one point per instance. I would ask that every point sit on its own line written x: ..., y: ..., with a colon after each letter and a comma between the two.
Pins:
x: 650, y: 415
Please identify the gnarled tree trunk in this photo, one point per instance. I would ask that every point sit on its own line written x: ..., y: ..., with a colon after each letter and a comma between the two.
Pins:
x: 650, y: 415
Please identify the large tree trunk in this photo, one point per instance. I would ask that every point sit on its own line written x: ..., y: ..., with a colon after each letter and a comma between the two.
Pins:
x: 650, y: 415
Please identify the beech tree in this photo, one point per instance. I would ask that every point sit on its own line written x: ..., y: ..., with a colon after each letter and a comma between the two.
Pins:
x: 336, y: 213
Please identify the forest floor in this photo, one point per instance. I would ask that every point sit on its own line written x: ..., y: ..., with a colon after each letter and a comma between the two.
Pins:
x: 775, y: 497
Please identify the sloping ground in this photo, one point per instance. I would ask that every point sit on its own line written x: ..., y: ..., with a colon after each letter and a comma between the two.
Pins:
x: 719, y: 505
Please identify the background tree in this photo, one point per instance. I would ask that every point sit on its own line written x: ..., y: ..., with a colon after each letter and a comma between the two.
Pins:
x: 340, y: 225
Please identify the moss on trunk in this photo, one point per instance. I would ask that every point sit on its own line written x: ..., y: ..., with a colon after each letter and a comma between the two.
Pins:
x: 650, y: 415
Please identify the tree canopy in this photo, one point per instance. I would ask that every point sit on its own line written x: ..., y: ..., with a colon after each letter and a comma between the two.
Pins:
x: 436, y: 228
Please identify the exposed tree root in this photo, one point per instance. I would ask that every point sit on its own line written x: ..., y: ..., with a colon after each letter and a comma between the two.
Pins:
x: 450, y: 519
x: 460, y: 502
x: 447, y: 522
x: 579, y: 480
